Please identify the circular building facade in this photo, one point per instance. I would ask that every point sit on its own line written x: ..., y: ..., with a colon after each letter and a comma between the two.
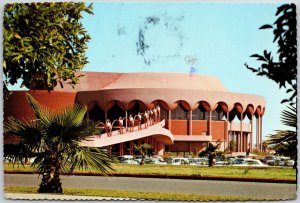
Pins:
x: 193, y: 110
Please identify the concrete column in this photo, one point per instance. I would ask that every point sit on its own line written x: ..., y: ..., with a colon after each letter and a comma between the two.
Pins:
x: 260, y: 134
x: 169, y: 122
x: 209, y: 124
x: 190, y: 147
x: 257, y: 134
x: 226, y: 134
x: 241, y: 132
x: 191, y: 123
x: 242, y: 142
x: 126, y: 121
x: 237, y: 141
x: 131, y: 148
x: 246, y: 142
x: 251, y: 135
x: 109, y: 149
x: 105, y: 115
x: 121, y: 149
x: 160, y: 148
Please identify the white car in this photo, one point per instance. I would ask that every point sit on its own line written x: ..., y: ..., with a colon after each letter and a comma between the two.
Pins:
x: 157, y: 161
x: 178, y: 161
x: 286, y: 162
x: 127, y: 159
x: 248, y: 162
x: 198, y: 161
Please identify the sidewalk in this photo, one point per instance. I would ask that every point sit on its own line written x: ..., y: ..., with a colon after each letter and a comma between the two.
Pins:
x: 18, y: 196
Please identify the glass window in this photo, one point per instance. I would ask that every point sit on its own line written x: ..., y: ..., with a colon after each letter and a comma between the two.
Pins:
x: 163, y: 113
x: 179, y: 113
x: 200, y: 114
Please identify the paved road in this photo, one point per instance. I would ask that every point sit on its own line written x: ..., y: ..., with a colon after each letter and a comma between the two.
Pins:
x: 224, y: 188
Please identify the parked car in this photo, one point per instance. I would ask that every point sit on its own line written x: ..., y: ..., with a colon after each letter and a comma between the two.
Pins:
x: 290, y: 163
x: 285, y: 161
x: 248, y: 162
x: 270, y: 160
x: 178, y: 161
x: 127, y: 159
x: 198, y: 161
x: 156, y: 160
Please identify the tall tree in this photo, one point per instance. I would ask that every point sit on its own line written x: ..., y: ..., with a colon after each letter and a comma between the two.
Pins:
x: 210, y: 152
x: 285, y: 141
x: 284, y: 70
x: 54, y: 138
x: 144, y: 150
x: 44, y: 43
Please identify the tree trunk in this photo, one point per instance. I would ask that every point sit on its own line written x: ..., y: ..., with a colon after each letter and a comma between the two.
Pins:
x: 142, y: 161
x: 50, y: 180
x: 210, y: 161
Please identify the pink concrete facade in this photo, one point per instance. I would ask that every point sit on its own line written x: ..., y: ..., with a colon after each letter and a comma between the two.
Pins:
x: 196, y: 108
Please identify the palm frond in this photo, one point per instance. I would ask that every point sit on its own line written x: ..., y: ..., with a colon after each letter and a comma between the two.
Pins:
x: 72, y: 115
x: 29, y: 132
x: 43, y: 114
x: 87, y: 158
x: 16, y: 154
x: 289, y: 117
x: 40, y: 162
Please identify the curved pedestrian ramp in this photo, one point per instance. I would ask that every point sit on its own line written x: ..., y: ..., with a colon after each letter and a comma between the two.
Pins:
x: 157, y: 130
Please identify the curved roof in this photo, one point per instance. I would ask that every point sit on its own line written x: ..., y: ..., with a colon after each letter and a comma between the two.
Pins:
x: 167, y: 81
x: 171, y: 88
x: 101, y: 80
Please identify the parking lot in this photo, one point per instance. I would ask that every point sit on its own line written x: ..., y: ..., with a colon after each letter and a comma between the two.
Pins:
x: 218, y: 161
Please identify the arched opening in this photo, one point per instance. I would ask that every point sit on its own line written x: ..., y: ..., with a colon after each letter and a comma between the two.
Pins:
x: 163, y: 113
x: 114, y: 113
x: 235, y: 113
x: 179, y: 113
x: 138, y: 107
x: 218, y: 114
x: 200, y: 113
x: 163, y: 108
x: 96, y: 114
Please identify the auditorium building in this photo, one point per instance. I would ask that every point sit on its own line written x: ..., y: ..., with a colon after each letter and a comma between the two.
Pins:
x: 193, y: 110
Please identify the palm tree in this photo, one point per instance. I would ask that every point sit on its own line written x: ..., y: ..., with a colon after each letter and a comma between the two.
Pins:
x: 144, y: 150
x: 211, y: 152
x: 285, y: 141
x: 54, y: 138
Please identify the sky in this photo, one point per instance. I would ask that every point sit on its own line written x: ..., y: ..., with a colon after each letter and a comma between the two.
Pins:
x: 212, y: 38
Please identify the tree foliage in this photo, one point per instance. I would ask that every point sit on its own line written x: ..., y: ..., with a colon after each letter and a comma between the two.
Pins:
x: 144, y: 150
x: 53, y: 139
x: 285, y: 141
x: 44, y: 43
x: 210, y: 152
x: 283, y: 71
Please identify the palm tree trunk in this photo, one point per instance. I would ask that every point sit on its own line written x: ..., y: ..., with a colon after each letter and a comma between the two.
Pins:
x: 142, y: 161
x: 51, y: 180
x: 211, y: 160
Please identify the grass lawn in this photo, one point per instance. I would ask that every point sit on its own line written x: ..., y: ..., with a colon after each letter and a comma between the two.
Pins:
x: 278, y: 173
x: 135, y: 194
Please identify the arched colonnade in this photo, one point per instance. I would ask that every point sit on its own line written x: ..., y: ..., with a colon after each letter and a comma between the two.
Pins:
x: 182, y: 110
